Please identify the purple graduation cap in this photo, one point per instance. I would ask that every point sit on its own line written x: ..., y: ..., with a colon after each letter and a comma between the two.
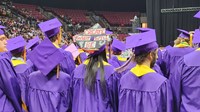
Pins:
x: 144, y: 29
x: 142, y: 42
x: 118, y: 46
x: 33, y: 42
x: 197, y: 15
x: 183, y: 34
x: 50, y: 27
x: 16, y: 45
x: 46, y: 56
x: 109, y: 32
x: 196, y: 38
x: 1, y: 29
x: 92, y: 46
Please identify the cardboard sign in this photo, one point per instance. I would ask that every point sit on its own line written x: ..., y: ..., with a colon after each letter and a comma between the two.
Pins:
x: 99, y: 31
x: 72, y: 48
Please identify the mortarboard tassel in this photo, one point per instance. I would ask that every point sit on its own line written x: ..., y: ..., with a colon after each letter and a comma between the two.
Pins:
x: 24, y: 54
x: 79, y: 60
x: 24, y: 107
x: 60, y: 36
x: 191, y: 38
x: 58, y: 72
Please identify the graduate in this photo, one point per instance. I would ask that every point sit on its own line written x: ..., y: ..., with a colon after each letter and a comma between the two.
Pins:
x: 3, y: 50
x: 131, y: 62
x: 10, y: 95
x: 17, y: 48
x: 51, y: 29
x: 32, y: 43
x: 185, y: 81
x: 172, y: 55
x: 141, y: 88
x: 95, y: 83
x: 117, y: 47
x: 48, y: 88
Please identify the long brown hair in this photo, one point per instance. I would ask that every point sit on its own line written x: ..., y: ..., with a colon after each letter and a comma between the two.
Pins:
x: 95, y: 63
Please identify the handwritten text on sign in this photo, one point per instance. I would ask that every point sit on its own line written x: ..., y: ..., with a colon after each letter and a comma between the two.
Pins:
x: 82, y: 38
x: 91, y: 44
x: 99, y: 31
x: 88, y: 38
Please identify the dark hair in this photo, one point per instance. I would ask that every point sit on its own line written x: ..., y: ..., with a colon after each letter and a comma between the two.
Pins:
x: 117, y: 53
x: 139, y: 59
x: 19, y: 54
x: 95, y: 63
x: 53, y: 38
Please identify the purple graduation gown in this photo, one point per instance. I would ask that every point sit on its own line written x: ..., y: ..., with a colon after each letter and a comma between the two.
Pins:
x: 7, y: 55
x: 186, y: 83
x: 49, y: 94
x: 170, y: 58
x: 113, y: 63
x: 85, y: 101
x: 83, y: 56
x: 22, y: 71
x: 149, y: 93
x: 10, y: 95
x: 115, y: 59
x: 64, y: 47
x: 68, y: 64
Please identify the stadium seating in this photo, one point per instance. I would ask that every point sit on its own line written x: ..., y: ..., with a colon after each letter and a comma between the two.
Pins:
x: 118, y: 18
x: 32, y: 10
x: 77, y: 16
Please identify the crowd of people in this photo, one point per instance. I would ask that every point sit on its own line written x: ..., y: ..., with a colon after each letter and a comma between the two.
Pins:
x: 44, y: 69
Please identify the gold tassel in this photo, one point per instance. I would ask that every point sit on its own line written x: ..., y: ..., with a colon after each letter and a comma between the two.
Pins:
x: 24, y: 54
x: 79, y: 60
x: 24, y: 106
x: 58, y: 72
x: 60, y: 36
x: 191, y: 38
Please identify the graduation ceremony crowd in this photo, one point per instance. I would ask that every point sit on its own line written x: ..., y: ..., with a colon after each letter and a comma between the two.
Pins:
x: 91, y: 75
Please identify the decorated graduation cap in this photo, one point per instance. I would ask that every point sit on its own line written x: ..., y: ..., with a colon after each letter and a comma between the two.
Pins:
x: 92, y: 41
x: 16, y: 45
x: 196, y: 39
x: 46, y: 57
x: 33, y: 42
x: 118, y: 46
x: 142, y: 42
x: 183, y: 34
x: 144, y: 29
x: 197, y: 15
x: 50, y: 27
x: 1, y: 29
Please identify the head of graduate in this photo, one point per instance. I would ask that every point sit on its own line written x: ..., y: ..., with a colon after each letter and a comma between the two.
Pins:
x: 16, y: 46
x: 3, y: 39
x: 182, y: 39
x: 52, y: 30
x: 144, y: 47
x: 117, y: 47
